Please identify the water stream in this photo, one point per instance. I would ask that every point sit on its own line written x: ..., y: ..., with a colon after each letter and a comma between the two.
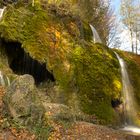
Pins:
x: 96, y: 37
x: 1, y: 12
x: 4, y: 80
x: 130, y: 112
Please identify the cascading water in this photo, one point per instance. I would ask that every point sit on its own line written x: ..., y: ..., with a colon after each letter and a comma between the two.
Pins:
x: 4, y: 80
x: 96, y: 37
x: 129, y: 107
x: 2, y: 11
x: 130, y: 113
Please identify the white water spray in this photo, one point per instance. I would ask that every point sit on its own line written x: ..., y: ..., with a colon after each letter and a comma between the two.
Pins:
x: 130, y: 113
x: 1, y: 12
x: 8, y: 81
x: 4, y: 80
x: 96, y: 37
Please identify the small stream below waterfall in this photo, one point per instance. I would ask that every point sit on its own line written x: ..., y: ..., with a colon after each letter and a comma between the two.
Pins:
x: 130, y: 112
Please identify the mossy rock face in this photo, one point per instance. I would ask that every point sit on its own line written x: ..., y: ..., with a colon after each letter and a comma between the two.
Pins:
x: 98, y: 79
x: 6, y: 73
x: 3, y: 61
x: 22, y: 102
x: 89, y: 70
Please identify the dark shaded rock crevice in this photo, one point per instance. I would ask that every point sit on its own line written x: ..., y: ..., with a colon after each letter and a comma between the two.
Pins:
x: 22, y: 63
x: 116, y: 103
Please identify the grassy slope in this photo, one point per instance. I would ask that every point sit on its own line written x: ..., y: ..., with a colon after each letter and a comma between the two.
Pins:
x: 50, y: 36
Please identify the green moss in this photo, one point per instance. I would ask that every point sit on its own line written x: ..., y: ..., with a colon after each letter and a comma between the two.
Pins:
x: 90, y: 70
x: 87, y: 32
x: 134, y: 71
x: 98, y: 80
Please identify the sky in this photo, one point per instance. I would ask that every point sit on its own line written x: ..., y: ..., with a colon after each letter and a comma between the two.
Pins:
x: 116, y: 5
x: 123, y: 32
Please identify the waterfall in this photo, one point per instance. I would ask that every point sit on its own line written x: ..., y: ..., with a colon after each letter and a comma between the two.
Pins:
x: 1, y: 12
x: 96, y: 38
x: 130, y: 113
x: 8, y: 81
x: 4, y: 80
x: 128, y: 95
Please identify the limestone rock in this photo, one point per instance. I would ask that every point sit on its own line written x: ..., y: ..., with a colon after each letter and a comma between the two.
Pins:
x: 22, y: 102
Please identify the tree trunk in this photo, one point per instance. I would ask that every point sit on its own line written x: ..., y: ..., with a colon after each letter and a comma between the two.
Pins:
x: 136, y: 41
x: 132, y: 46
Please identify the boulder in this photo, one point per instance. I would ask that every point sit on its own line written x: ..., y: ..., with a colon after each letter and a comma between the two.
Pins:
x: 22, y: 101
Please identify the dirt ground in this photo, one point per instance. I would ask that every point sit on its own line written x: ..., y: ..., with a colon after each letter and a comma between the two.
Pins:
x: 77, y: 131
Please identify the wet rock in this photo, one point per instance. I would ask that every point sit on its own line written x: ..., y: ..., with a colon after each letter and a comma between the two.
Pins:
x: 22, y: 101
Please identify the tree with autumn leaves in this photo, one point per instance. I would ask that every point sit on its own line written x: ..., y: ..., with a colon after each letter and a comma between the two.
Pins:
x: 99, y: 14
x: 130, y: 12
